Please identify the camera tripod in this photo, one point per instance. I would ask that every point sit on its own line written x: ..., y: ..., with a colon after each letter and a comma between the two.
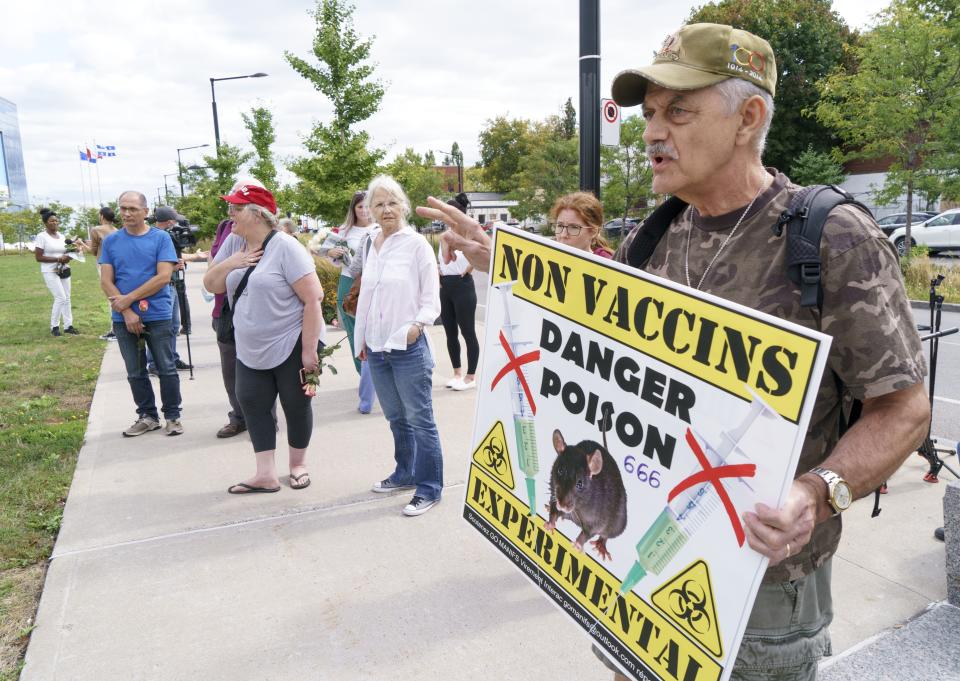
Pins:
x: 929, y: 449
x: 179, y: 284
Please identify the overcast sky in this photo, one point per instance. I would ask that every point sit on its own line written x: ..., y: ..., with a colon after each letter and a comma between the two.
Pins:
x: 135, y: 74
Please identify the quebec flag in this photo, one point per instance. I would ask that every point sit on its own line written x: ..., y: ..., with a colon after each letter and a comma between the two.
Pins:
x: 105, y: 151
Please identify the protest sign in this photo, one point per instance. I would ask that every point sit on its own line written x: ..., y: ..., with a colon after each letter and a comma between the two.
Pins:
x: 624, y: 423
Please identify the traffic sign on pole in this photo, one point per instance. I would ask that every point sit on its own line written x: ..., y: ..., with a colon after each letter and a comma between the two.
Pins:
x: 609, y: 123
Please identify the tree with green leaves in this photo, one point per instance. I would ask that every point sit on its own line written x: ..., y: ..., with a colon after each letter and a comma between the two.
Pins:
x: 503, y: 143
x: 339, y: 161
x: 903, y: 101
x: 550, y: 169
x: 203, y: 205
x: 418, y: 177
x: 625, y: 171
x: 262, y: 136
x: 817, y: 167
x: 809, y: 40
x: 567, y: 123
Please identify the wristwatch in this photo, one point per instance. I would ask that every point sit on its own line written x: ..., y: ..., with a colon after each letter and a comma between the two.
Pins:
x: 839, y: 494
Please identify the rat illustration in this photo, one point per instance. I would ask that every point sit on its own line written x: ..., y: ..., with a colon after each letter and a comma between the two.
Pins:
x: 586, y: 487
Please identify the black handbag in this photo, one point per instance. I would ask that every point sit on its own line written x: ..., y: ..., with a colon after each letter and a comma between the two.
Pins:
x: 225, y: 324
x: 63, y: 270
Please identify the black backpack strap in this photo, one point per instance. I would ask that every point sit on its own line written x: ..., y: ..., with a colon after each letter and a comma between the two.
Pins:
x: 804, y: 219
x: 652, y: 230
x: 246, y: 275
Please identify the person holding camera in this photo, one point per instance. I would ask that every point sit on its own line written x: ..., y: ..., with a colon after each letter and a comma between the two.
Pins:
x: 50, y: 250
x: 106, y: 227
x: 166, y: 218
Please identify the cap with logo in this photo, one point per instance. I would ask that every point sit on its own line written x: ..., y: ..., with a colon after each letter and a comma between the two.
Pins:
x: 248, y: 193
x: 697, y: 56
x: 166, y: 213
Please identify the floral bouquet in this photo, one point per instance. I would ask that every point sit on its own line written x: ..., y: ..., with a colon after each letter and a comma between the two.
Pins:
x: 326, y: 239
x: 311, y: 379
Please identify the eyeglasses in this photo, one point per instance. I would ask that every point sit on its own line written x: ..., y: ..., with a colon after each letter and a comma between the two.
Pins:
x: 572, y: 229
x: 232, y: 208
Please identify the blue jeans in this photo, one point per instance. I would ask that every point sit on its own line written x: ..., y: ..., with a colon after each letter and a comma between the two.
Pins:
x: 403, y: 379
x: 174, y: 331
x: 158, y: 340
x: 367, y: 392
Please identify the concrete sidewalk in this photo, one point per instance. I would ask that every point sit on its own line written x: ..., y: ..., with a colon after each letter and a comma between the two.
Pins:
x: 158, y: 573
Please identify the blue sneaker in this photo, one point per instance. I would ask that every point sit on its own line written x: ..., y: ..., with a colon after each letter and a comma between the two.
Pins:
x: 418, y: 506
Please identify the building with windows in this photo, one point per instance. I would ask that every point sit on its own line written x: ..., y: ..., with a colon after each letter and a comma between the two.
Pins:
x: 13, y: 177
x: 489, y: 207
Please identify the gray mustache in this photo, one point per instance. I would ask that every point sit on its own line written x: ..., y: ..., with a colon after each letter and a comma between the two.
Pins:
x: 661, y: 149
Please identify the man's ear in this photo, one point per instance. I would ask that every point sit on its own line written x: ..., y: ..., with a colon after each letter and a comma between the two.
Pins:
x: 753, y: 113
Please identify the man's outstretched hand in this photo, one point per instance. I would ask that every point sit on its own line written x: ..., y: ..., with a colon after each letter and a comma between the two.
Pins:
x: 465, y: 234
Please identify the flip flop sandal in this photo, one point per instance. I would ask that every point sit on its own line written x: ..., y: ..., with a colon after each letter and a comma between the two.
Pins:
x: 295, y: 481
x: 244, y: 488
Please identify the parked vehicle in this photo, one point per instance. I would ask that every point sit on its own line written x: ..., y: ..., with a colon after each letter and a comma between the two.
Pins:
x: 888, y: 223
x: 939, y: 233
x: 615, y: 228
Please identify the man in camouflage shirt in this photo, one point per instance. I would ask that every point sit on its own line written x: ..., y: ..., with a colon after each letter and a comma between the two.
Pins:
x: 708, y: 102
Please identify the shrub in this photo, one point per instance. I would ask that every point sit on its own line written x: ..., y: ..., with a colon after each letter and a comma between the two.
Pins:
x: 329, y: 275
x: 919, y: 270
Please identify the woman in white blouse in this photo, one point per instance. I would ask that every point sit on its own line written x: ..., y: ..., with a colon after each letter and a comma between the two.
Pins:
x: 355, y: 228
x: 399, y: 296
x: 50, y: 250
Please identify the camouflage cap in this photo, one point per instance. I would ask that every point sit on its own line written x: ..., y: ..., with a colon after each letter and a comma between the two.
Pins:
x: 697, y: 56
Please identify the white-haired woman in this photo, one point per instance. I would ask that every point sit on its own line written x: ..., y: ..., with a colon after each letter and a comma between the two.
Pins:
x: 399, y: 297
x: 273, y: 290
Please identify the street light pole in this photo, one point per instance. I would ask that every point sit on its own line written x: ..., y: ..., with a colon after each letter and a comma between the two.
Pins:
x: 590, y: 96
x: 458, y: 161
x: 166, y: 190
x: 213, y: 102
x: 180, y: 165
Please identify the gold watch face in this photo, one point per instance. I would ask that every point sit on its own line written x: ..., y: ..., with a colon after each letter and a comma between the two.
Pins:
x: 842, y: 496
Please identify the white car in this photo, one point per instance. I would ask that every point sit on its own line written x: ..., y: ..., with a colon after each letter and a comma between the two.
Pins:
x: 940, y: 233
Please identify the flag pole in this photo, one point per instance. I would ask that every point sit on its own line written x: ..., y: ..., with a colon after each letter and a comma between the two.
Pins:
x: 99, y: 190
x: 83, y: 188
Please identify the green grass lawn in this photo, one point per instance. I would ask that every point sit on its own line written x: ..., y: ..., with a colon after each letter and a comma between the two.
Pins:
x: 46, y: 385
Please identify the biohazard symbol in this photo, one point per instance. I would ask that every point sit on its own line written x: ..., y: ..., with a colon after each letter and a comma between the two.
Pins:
x: 492, y: 455
x: 688, y: 600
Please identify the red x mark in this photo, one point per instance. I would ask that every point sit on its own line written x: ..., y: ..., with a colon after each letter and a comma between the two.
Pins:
x: 514, y: 365
x: 712, y: 475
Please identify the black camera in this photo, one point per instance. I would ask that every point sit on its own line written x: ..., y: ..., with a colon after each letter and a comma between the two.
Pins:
x: 184, y: 236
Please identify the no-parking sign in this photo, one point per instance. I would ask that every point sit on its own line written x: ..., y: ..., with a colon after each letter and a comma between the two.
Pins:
x: 609, y: 123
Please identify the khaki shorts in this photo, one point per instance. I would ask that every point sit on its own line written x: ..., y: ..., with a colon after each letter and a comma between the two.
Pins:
x: 787, y: 632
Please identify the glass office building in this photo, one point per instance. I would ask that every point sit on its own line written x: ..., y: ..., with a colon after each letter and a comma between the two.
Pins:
x: 13, y: 177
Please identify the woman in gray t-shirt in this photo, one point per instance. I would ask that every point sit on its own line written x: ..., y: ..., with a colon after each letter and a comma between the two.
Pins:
x: 278, y: 325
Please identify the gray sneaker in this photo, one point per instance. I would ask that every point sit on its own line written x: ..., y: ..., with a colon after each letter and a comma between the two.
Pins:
x: 389, y: 486
x: 142, y: 425
x: 418, y: 506
x: 173, y: 427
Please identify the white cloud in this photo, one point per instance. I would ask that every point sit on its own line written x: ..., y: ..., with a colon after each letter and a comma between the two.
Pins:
x: 136, y: 74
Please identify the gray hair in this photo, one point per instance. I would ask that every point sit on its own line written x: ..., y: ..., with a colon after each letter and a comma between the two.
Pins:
x: 287, y: 225
x: 246, y: 182
x: 265, y: 215
x: 735, y: 91
x: 390, y: 186
x: 143, y: 199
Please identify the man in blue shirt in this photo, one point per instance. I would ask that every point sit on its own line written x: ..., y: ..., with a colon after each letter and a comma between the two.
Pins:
x: 135, y: 267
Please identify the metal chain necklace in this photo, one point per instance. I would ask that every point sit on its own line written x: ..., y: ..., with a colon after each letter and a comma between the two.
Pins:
x: 686, y: 259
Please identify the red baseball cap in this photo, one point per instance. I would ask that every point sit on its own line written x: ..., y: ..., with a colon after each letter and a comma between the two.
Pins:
x: 248, y: 193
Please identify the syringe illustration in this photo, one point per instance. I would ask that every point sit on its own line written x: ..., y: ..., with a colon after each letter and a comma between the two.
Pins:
x: 689, y: 510
x: 523, y: 411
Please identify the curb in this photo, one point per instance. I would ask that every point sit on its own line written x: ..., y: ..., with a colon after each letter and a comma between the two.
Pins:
x: 925, y: 305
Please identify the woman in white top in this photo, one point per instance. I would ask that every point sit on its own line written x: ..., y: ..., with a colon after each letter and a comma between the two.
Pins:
x: 458, y: 307
x: 399, y: 296
x: 50, y: 250
x: 356, y: 226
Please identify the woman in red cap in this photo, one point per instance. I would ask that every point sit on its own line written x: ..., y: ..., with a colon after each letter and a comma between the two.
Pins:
x: 273, y: 290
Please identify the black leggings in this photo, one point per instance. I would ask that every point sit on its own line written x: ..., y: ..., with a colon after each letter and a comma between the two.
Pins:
x: 458, y: 307
x: 257, y: 391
